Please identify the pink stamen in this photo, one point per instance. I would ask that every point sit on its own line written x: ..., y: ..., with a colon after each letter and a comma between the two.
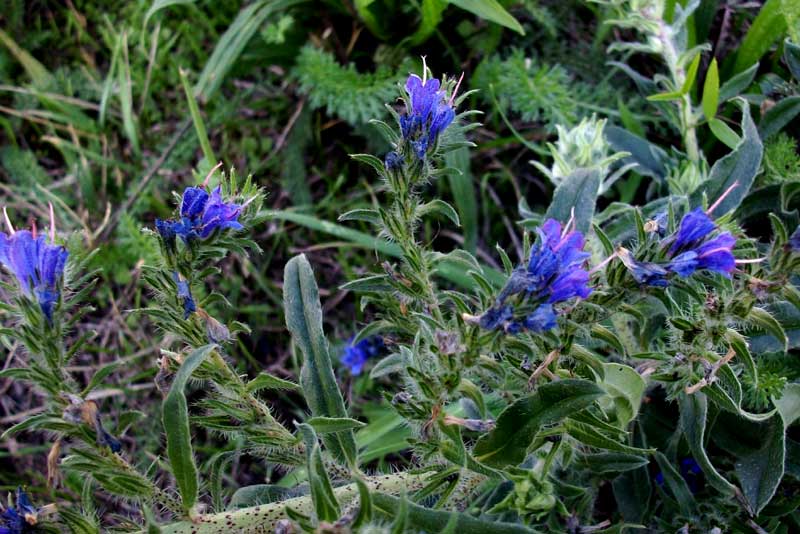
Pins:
x: 455, y: 91
x: 210, y: 173
x: 52, y: 224
x: 8, y: 221
x: 721, y: 198
x: 567, y: 227
x: 602, y: 263
x: 712, y: 251
x: 33, y: 228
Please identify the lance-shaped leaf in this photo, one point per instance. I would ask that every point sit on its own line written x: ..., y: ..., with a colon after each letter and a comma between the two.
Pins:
x: 326, y: 506
x: 518, y: 424
x: 576, y: 194
x: 760, y: 471
x: 304, y: 321
x: 175, y: 415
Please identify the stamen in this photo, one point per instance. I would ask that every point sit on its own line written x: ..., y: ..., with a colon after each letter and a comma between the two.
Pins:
x: 603, y: 263
x: 52, y: 224
x: 455, y: 91
x: 721, y: 198
x: 8, y: 221
x: 33, y: 227
x: 210, y: 173
x: 424, y: 71
x: 752, y: 260
x: 570, y: 223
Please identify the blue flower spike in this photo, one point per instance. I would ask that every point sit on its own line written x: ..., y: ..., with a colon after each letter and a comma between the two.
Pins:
x: 201, y: 214
x: 428, y: 111
x: 355, y: 356
x: 36, y: 262
x: 555, y: 273
x: 20, y: 518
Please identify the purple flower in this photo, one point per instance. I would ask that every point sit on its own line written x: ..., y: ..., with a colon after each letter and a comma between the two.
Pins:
x: 20, y: 518
x: 37, y: 265
x: 428, y: 113
x: 201, y: 214
x: 794, y: 240
x: 555, y: 273
x: 695, y: 226
x: 184, y: 294
x: 355, y: 356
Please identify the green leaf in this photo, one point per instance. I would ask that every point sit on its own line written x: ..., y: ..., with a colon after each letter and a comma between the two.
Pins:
x: 760, y: 470
x: 592, y: 436
x: 778, y: 116
x: 266, y: 381
x: 737, y: 84
x: 99, y: 377
x: 612, y: 462
x: 431, y: 11
x: 724, y: 133
x: 764, y: 320
x: 439, y: 207
x: 693, y: 420
x: 791, y: 55
x: 739, y: 346
x: 691, y: 74
x: 429, y: 520
x: 490, y: 10
x: 711, y: 91
x: 158, y: 5
x: 789, y: 403
x: 372, y: 161
x: 326, y: 425
x: 650, y: 159
x: 518, y: 424
x: 739, y: 166
x: 37, y: 72
x: 364, y: 514
x: 464, y: 194
x: 325, y: 504
x: 625, y: 388
x: 304, y: 321
x: 768, y: 27
x: 175, y: 415
x: 577, y: 192
x: 676, y: 484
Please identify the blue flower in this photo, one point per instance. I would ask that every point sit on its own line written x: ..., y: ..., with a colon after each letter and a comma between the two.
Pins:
x: 393, y: 161
x: 794, y: 240
x: 355, y: 356
x: 20, y: 518
x: 184, y: 294
x: 428, y: 114
x: 201, y: 214
x: 37, y: 265
x: 555, y: 273
x: 645, y: 273
x: 695, y: 226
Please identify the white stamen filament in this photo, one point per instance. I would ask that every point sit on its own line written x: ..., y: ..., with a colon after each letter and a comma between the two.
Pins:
x: 455, y: 91
x: 424, y: 71
x: 210, y: 173
x: 603, y: 263
x: 52, y: 224
x: 8, y: 221
x: 752, y: 260
x: 722, y: 197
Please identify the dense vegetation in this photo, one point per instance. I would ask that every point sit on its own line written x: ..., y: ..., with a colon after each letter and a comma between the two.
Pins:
x: 475, y: 266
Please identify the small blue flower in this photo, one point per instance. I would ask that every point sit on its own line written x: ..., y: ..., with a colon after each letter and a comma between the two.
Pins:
x: 645, y: 273
x: 37, y: 265
x: 184, y: 294
x: 695, y: 226
x: 393, y: 161
x: 201, y: 214
x: 555, y: 273
x: 355, y: 356
x: 105, y: 438
x: 21, y: 518
x: 428, y: 113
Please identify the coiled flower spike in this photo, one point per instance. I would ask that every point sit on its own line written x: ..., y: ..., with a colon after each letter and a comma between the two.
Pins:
x: 37, y: 265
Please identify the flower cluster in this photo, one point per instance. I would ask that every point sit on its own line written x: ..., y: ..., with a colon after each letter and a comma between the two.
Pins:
x: 694, y: 247
x: 200, y: 214
x: 37, y: 265
x: 428, y: 113
x: 356, y: 355
x: 20, y: 518
x: 555, y: 273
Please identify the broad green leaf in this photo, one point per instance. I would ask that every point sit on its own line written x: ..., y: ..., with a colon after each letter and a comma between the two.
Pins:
x: 650, y: 159
x: 517, y: 425
x: 612, y: 462
x: 764, y: 320
x: 175, y: 416
x: 578, y: 194
x: 430, y: 520
x: 768, y: 27
x: 778, y: 116
x: 304, y: 321
x: 724, y: 133
x: 676, y: 484
x: 625, y: 388
x: 789, y: 403
x: 693, y: 420
x: 738, y: 167
x: 791, y: 55
x: 326, y: 506
x: 490, y: 10
x: 711, y: 91
x: 326, y: 425
x: 760, y: 470
x: 737, y: 84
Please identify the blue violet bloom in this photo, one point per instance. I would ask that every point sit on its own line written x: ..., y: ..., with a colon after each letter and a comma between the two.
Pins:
x: 38, y: 265
x: 20, y: 518
x: 201, y: 213
x: 428, y: 113
x: 696, y: 246
x: 184, y: 294
x: 555, y: 273
x: 794, y: 240
x: 356, y: 355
